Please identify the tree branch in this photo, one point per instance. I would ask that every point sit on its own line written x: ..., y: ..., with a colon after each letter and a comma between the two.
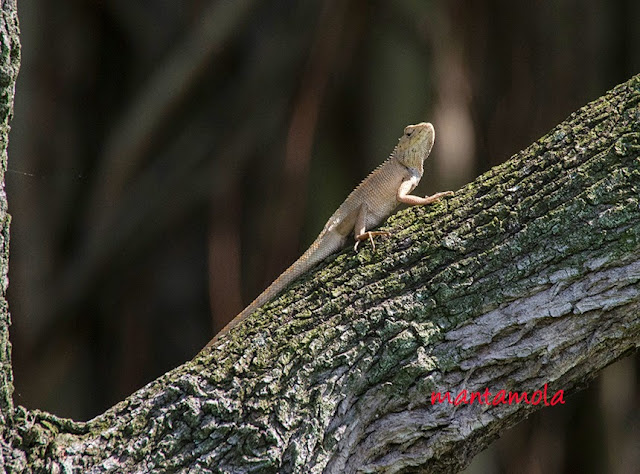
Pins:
x: 9, y: 66
x: 527, y: 278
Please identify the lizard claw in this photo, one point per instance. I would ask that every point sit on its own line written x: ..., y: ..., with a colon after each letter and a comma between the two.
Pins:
x: 369, y: 235
x: 436, y: 197
x: 442, y: 194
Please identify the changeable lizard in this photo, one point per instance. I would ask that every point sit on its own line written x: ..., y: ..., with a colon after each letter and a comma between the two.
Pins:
x: 367, y: 206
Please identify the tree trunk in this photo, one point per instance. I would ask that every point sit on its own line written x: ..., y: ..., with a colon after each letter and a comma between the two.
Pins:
x: 9, y: 65
x: 525, y: 280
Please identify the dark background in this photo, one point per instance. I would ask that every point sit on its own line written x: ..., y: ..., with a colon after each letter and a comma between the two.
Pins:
x: 169, y: 159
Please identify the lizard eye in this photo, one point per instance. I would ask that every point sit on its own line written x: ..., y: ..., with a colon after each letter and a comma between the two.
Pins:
x: 408, y: 132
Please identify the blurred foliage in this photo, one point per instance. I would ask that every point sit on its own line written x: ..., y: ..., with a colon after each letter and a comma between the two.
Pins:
x: 169, y: 159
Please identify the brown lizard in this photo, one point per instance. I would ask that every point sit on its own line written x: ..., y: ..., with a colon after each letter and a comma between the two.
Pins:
x: 368, y: 205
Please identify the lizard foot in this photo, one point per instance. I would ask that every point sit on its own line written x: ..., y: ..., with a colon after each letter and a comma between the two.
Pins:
x: 436, y: 197
x: 369, y: 235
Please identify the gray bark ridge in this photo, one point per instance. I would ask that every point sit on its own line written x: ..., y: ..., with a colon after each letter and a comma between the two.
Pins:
x: 526, y: 279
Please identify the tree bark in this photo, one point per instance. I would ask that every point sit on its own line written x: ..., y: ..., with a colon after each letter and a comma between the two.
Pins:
x: 10, y: 457
x: 526, y: 278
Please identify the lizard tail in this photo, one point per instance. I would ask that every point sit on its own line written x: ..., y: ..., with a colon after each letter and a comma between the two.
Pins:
x: 318, y: 251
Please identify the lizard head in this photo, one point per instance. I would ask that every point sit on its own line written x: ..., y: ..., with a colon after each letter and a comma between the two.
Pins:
x: 415, y: 145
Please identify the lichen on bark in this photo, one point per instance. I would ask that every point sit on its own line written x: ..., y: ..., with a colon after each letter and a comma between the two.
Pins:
x: 9, y: 66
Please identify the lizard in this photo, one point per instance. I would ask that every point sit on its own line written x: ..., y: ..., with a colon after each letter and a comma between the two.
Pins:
x: 371, y: 202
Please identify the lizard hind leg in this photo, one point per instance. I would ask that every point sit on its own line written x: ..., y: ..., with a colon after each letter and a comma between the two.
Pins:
x: 360, y: 228
x: 369, y: 236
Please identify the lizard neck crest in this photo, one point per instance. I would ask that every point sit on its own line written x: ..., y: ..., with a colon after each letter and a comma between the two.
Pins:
x: 414, y: 145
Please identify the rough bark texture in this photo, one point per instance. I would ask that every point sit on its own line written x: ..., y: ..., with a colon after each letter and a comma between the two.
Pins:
x: 528, y: 276
x: 9, y: 65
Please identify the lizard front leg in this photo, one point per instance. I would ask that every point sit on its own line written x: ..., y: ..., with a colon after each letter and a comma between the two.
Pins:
x: 360, y: 228
x: 407, y: 186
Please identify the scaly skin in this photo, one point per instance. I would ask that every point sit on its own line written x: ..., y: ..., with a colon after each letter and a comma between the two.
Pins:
x: 367, y: 206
